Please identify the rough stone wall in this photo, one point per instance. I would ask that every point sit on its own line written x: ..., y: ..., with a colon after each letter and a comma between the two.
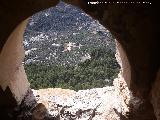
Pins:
x: 124, y: 63
x: 155, y: 96
x: 135, y: 108
x: 122, y: 82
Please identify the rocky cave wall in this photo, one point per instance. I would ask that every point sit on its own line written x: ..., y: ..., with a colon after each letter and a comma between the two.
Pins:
x: 134, y: 26
x: 155, y: 95
x: 12, y: 71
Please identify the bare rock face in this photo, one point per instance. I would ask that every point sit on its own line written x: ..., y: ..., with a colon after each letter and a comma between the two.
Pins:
x: 39, y: 112
x: 63, y: 104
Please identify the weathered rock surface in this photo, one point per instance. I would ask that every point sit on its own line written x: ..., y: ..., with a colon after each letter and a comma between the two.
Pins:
x: 108, y: 103
x: 92, y: 104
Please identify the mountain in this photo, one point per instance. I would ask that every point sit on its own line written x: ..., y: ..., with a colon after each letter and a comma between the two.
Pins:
x: 64, y: 35
x: 66, y: 48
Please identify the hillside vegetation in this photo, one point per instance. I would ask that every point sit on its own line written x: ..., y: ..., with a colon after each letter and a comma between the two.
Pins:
x: 98, y: 71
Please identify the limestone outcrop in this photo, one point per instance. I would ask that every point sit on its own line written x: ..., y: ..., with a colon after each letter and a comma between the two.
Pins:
x: 62, y: 104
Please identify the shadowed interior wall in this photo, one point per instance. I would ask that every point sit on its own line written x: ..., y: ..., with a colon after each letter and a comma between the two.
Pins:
x: 13, y: 75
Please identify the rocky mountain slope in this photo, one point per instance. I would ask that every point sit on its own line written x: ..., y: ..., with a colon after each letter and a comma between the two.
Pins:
x: 64, y: 35
x: 66, y: 48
